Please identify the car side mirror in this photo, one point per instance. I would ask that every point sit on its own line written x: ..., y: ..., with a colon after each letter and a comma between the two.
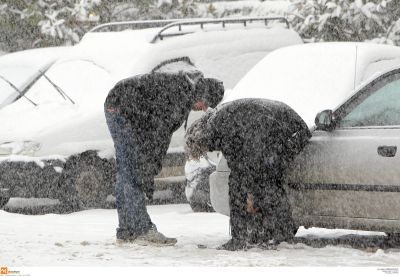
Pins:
x: 325, y: 120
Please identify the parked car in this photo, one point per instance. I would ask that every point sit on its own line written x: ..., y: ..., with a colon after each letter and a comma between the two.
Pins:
x: 57, y: 144
x: 349, y: 96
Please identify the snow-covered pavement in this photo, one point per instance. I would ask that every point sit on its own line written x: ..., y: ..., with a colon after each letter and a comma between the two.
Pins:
x: 88, y: 238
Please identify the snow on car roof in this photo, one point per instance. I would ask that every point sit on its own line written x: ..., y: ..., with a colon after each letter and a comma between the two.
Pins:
x: 312, y: 77
x: 206, y: 47
x: 210, y: 54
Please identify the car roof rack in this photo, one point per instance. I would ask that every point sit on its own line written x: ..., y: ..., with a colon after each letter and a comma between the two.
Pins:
x: 171, y: 23
x: 223, y: 21
x: 135, y: 25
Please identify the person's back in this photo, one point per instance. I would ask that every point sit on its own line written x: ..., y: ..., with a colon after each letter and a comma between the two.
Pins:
x: 155, y: 106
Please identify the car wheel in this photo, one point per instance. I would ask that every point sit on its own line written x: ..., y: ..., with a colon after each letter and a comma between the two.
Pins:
x: 4, y: 197
x: 197, y: 190
x: 83, y: 183
x: 394, y: 237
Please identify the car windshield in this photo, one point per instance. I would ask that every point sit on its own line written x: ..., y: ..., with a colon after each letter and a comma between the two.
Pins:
x: 69, y: 82
x: 19, y: 76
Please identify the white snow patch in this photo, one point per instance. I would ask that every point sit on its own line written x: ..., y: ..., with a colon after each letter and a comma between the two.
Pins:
x: 18, y: 202
x: 38, y: 160
x: 176, y: 149
x: 58, y: 169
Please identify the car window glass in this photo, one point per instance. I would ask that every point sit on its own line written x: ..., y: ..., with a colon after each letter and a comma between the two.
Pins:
x: 81, y: 80
x: 381, y: 108
x: 18, y: 76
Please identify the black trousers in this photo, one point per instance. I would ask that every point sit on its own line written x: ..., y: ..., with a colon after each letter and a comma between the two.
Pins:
x: 263, y: 181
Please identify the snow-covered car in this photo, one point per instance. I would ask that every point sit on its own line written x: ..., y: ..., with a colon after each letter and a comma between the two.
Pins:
x: 57, y: 144
x: 349, y: 96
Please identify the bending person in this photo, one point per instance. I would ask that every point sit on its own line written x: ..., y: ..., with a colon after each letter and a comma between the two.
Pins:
x: 142, y: 113
x: 258, y: 138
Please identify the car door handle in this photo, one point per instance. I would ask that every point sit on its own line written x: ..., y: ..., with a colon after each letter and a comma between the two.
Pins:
x: 387, y: 151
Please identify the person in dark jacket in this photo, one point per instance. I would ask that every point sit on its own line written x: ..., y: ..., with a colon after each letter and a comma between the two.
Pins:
x: 142, y: 113
x: 258, y: 138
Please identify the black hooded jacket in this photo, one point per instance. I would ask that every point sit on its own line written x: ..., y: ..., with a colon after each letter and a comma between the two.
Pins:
x: 258, y: 138
x: 256, y: 125
x: 255, y: 135
x: 156, y: 105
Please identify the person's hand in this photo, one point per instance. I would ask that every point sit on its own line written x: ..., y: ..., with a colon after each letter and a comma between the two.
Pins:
x: 250, y: 205
x: 200, y: 106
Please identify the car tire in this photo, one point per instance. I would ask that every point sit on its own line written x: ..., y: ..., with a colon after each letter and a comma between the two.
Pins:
x: 197, y: 190
x: 394, y: 237
x: 83, y: 183
x: 4, y: 197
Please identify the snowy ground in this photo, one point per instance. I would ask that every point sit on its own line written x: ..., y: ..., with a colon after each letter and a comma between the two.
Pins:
x: 88, y: 238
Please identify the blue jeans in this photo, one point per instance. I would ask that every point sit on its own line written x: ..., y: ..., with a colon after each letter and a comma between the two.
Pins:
x: 130, y: 199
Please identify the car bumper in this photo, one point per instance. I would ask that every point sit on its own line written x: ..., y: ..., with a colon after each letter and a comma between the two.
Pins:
x: 219, y: 192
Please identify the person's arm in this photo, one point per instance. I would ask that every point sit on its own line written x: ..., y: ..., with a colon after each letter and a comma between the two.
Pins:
x: 200, y: 137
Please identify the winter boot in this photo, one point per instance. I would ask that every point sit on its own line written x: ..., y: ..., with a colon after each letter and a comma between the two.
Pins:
x: 154, y: 238
x: 233, y: 245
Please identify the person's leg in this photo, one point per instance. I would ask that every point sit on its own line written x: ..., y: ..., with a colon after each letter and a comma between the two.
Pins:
x: 276, y: 210
x: 237, y: 199
x: 132, y: 214
x: 237, y: 204
x: 253, y: 187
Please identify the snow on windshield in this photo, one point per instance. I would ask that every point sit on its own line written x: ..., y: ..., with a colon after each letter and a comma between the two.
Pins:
x: 22, y: 67
x: 86, y: 84
x: 17, y: 76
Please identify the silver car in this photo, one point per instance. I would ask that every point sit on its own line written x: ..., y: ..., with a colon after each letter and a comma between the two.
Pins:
x: 348, y: 176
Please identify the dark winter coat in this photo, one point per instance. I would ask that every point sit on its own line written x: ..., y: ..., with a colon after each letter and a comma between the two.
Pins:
x: 250, y: 128
x: 257, y: 127
x: 156, y: 105
x: 258, y: 139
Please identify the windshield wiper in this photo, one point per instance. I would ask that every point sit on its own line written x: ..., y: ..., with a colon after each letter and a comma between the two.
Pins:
x: 16, y: 89
x: 59, y: 90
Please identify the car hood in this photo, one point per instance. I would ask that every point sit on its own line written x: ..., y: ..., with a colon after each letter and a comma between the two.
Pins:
x: 313, y: 77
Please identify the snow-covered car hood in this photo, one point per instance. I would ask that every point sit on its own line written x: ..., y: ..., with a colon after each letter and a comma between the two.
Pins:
x: 314, y: 77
